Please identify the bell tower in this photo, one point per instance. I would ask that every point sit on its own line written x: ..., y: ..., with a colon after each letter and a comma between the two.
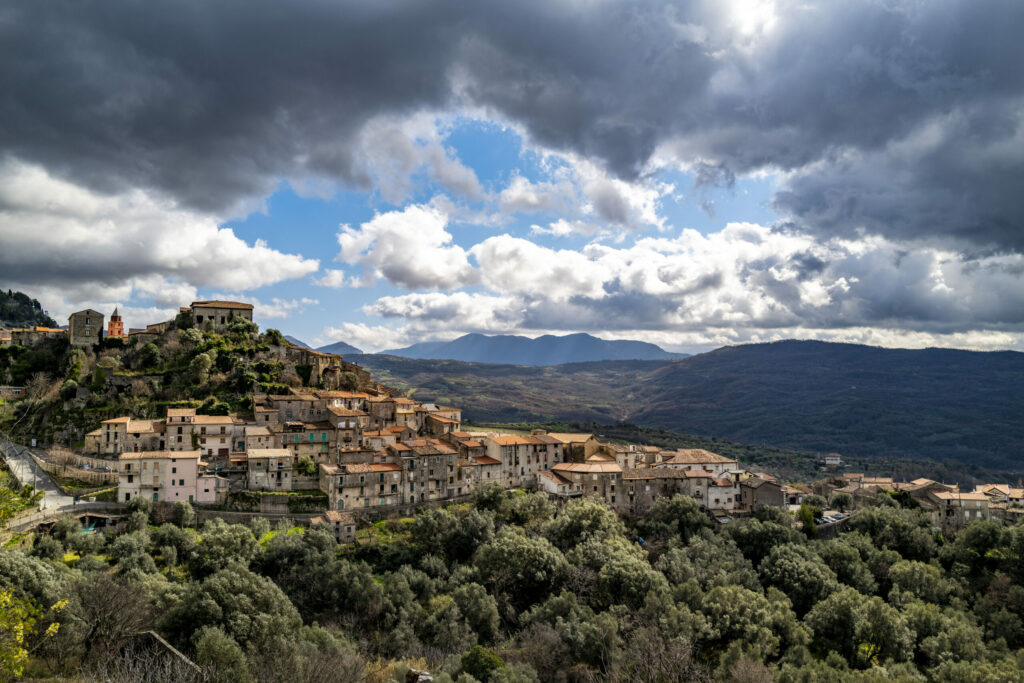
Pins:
x: 115, y: 327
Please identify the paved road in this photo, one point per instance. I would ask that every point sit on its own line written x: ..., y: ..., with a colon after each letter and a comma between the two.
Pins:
x: 27, y: 472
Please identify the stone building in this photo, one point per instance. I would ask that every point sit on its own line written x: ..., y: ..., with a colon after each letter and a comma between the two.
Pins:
x: 341, y: 524
x: 217, y: 314
x: 85, y: 328
x: 30, y: 336
x: 756, y: 492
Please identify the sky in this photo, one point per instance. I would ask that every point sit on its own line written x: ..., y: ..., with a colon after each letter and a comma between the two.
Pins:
x: 693, y: 174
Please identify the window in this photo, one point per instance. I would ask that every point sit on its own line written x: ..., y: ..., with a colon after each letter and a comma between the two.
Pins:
x: 181, y: 482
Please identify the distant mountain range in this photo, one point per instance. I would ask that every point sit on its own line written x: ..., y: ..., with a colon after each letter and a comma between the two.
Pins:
x: 336, y: 347
x: 340, y: 348
x: 893, y: 403
x: 546, y: 350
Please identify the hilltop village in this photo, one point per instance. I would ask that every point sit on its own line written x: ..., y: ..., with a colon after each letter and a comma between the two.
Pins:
x: 371, y: 452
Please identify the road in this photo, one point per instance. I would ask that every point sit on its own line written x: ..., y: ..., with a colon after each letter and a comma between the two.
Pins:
x: 27, y: 472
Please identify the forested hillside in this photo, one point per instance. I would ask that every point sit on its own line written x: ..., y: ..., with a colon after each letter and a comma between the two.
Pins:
x: 936, y: 403
x: 20, y: 310
x: 514, y: 589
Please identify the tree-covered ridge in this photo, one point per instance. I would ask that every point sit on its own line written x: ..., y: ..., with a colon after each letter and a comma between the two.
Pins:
x: 514, y: 588
x: 20, y: 310
x: 213, y: 372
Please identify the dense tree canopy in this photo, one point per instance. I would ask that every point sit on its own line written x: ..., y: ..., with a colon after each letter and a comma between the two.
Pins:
x: 515, y: 588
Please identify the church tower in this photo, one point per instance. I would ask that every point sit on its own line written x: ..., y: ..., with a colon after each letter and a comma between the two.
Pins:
x: 115, y: 328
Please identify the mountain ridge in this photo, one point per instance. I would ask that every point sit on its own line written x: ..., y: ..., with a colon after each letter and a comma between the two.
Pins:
x: 339, y: 347
x: 540, y: 351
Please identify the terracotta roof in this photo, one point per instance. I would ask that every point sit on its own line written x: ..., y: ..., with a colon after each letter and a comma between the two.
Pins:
x: 649, y: 473
x: 722, y: 482
x: 510, y: 440
x: 334, y: 517
x: 921, y: 481
x: 554, y: 476
x: 364, y: 467
x: 485, y: 460
x: 588, y: 467
x: 600, y: 457
x: 546, y: 438
x: 214, y: 420
x: 953, y: 495
x: 565, y: 437
x: 439, y: 418
x: 688, y: 456
x: 346, y: 412
x: 259, y: 430
x: 117, y: 420
x: 340, y: 394
x: 269, y: 453
x: 697, y: 474
x: 145, y: 426
x: 222, y: 304
x: 180, y: 412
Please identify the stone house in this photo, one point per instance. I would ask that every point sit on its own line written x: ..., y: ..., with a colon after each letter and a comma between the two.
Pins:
x: 217, y: 314
x: 144, y: 435
x: 31, y: 336
x: 259, y: 436
x: 341, y: 524
x: 270, y: 469
x: 318, y: 440
x: 431, y: 467
x: 556, y: 486
x: 756, y: 492
x: 598, y: 479
x: 955, y: 510
x: 115, y: 434
x: 362, y: 485
x: 699, y: 459
x: 577, y: 447
x: 85, y: 328
x: 349, y: 424
x: 219, y: 435
x: 179, y: 429
x: 641, y: 487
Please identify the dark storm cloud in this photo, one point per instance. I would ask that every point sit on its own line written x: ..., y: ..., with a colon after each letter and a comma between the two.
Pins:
x: 898, y: 118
